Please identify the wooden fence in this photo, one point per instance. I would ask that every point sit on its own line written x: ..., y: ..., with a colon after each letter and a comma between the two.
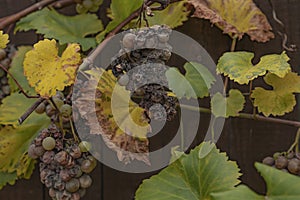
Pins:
x: 244, y: 140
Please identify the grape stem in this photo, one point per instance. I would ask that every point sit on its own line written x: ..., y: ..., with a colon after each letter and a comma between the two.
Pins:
x: 247, y: 116
x: 90, y: 59
x: 30, y: 110
x: 73, y: 130
x: 232, y: 48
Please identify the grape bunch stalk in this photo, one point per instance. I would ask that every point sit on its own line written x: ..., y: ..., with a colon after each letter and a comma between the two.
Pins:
x: 140, y: 67
x: 287, y: 162
x: 65, y: 162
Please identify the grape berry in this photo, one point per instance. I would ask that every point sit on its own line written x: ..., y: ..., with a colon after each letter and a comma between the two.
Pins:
x: 288, y: 162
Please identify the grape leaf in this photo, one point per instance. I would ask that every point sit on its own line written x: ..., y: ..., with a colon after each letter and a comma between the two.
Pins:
x: 192, y: 176
x: 235, y: 18
x: 122, y: 121
x: 174, y: 15
x: 229, y: 106
x: 14, y: 140
x: 196, y: 82
x: 17, y: 70
x: 238, y: 67
x: 280, y: 186
x: 46, y: 71
x: 179, y: 84
x: 199, y: 77
x: 9, y: 178
x: 12, y: 107
x: 240, y: 192
x: 119, y: 11
x: 65, y: 29
x: 282, y: 97
x: 3, y: 40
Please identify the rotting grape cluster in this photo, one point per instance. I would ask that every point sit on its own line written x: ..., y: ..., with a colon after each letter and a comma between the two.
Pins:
x: 140, y: 67
x: 5, y: 60
x: 65, y: 162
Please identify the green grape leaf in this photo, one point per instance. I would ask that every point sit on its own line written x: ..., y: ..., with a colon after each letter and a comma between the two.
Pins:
x: 9, y: 178
x: 199, y: 77
x: 179, y: 84
x: 16, y: 69
x: 173, y: 16
x: 227, y: 107
x: 280, y: 185
x: 12, y: 107
x: 119, y: 11
x: 282, y: 97
x: 196, y: 82
x: 15, y: 140
x: 238, y: 66
x: 66, y: 29
x: 240, y: 192
x: 235, y: 17
x: 191, y: 177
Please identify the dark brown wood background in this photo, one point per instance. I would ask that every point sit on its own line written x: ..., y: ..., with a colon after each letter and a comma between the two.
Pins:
x: 245, y: 141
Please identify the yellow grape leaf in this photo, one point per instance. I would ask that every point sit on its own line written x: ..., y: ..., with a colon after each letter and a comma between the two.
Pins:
x: 238, y: 66
x: 3, y: 40
x: 235, y: 17
x: 123, y: 125
x: 281, y: 99
x: 48, y: 72
x: 229, y: 106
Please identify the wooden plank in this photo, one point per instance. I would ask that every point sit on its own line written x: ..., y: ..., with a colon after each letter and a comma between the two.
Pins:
x: 24, y: 189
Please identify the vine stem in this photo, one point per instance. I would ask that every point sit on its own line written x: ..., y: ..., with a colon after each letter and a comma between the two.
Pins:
x: 18, y: 84
x: 295, y: 145
x: 232, y: 48
x: 15, y: 17
x: 247, y: 116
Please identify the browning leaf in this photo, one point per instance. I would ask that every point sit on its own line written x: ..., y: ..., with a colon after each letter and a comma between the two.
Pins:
x: 235, y: 18
x: 123, y: 128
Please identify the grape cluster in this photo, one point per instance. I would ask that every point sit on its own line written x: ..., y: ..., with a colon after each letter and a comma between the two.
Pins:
x: 50, y: 108
x: 5, y: 60
x: 288, y: 162
x: 64, y: 165
x: 140, y: 67
x: 84, y: 6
